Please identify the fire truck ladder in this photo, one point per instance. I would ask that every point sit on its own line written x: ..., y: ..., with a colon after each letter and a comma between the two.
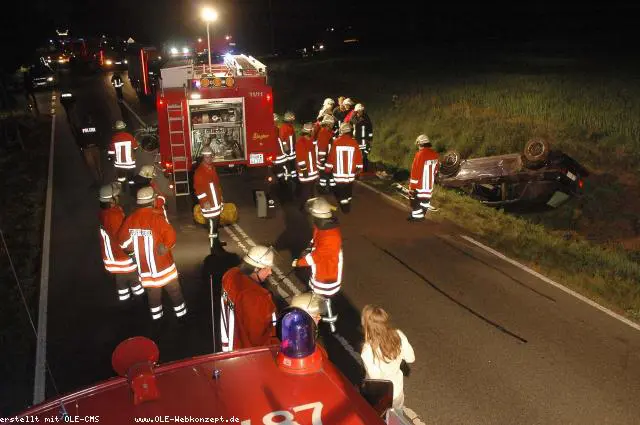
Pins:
x: 178, y: 144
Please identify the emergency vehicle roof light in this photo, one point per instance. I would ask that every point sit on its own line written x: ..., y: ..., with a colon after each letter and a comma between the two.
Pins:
x: 298, y: 334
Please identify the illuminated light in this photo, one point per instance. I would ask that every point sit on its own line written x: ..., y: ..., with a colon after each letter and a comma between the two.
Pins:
x: 174, y: 51
x: 270, y: 179
x: 126, y: 61
x: 199, y: 40
x: 185, y: 50
x: 66, y: 95
x: 228, y: 38
x: 209, y: 14
x: 196, y: 96
x: 217, y: 82
x: 351, y: 40
x: 229, y: 81
x: 161, y: 102
x: 268, y: 97
x: 228, y: 57
x: 144, y: 72
x: 50, y: 79
x: 171, y: 186
x: 580, y: 184
x: 159, y: 57
x: 204, y: 82
x: 108, y: 62
x: 321, y: 47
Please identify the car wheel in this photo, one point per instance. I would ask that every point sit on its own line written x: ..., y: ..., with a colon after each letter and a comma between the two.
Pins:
x: 450, y: 163
x: 535, y: 152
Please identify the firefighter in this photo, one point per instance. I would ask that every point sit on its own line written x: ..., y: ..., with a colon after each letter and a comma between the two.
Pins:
x: 281, y: 164
x: 348, y: 107
x: 344, y: 162
x: 209, y: 193
x: 423, y: 173
x: 313, y: 304
x: 324, y: 138
x: 306, y: 164
x: 275, y: 174
x: 118, y: 83
x: 362, y: 132
x: 151, y: 238
x: 116, y: 261
x: 122, y: 149
x: 146, y: 177
x: 324, y: 255
x: 88, y: 140
x: 327, y: 108
x: 248, y: 313
x: 287, y: 140
x: 340, y: 111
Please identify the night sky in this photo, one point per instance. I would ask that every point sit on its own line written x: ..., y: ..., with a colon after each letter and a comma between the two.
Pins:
x: 301, y: 22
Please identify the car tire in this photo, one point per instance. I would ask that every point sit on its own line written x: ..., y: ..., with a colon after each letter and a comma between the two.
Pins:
x: 450, y: 163
x: 536, y: 152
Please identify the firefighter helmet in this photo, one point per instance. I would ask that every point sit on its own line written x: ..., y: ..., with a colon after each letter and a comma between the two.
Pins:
x: 259, y: 256
x: 147, y: 171
x: 145, y: 195
x: 197, y: 215
x: 423, y: 139
x: 345, y: 128
x: 206, y: 151
x: 109, y: 191
x: 229, y: 214
x: 120, y: 125
x: 328, y: 102
x: 320, y: 207
x: 312, y: 303
x: 307, y: 128
x: 359, y: 107
x: 329, y: 120
x: 348, y: 102
x: 289, y: 116
x: 276, y: 117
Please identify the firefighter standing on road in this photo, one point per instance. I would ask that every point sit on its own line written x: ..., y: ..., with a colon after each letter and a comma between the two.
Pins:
x: 118, y: 83
x: 324, y: 138
x: 248, y: 314
x: 324, y: 256
x: 122, y: 149
x: 146, y: 177
x: 422, y: 179
x: 339, y: 112
x: 307, y: 164
x: 363, y: 132
x: 151, y: 238
x: 287, y: 140
x: 345, y: 162
x: 209, y: 193
x: 116, y: 262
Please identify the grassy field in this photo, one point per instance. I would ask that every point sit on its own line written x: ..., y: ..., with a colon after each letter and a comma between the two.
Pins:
x: 486, y: 104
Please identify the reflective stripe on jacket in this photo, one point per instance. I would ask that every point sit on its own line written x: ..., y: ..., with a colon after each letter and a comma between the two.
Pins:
x: 326, y: 261
x: 306, y: 160
x: 423, y: 172
x: 122, y: 146
x: 344, y: 159
x: 114, y: 258
x: 207, y: 186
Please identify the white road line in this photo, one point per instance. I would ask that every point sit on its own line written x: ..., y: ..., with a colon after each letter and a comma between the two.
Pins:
x: 390, y: 198
x: 126, y: 105
x: 343, y: 341
x: 553, y: 283
x: 39, y: 382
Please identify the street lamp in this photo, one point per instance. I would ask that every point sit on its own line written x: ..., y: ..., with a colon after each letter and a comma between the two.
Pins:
x: 209, y: 15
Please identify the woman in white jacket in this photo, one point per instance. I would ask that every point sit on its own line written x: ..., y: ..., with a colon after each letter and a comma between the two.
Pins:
x: 384, y: 350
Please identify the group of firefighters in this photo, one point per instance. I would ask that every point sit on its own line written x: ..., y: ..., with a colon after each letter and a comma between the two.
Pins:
x: 137, y: 249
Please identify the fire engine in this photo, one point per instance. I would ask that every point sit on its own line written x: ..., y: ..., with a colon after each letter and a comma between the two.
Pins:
x: 293, y: 383
x: 227, y: 106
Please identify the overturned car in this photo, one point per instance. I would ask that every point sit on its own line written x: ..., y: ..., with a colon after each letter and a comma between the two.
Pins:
x: 538, y: 176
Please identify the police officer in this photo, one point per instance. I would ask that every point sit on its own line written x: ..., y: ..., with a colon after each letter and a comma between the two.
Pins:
x: 88, y: 140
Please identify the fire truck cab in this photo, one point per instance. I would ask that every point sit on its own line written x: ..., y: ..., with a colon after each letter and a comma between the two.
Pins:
x: 226, y: 106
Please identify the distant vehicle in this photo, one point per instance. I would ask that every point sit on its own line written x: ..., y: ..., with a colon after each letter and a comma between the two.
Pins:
x: 43, y: 76
x: 538, y: 176
x: 143, y: 65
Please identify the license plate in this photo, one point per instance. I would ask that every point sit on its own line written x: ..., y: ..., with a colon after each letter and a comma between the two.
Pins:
x: 571, y: 176
x: 256, y: 158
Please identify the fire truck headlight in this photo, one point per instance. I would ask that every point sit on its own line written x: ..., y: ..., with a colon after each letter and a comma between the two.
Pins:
x: 174, y: 51
x: 185, y: 50
x: 126, y: 61
x: 50, y: 79
x: 108, y: 62
x: 195, y: 96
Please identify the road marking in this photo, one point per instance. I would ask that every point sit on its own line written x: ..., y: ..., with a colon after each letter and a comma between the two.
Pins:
x: 39, y: 382
x: 345, y: 344
x: 126, y: 105
x: 398, y: 203
x: 553, y: 283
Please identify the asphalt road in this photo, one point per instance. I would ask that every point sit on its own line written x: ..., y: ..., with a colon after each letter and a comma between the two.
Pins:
x: 494, y: 344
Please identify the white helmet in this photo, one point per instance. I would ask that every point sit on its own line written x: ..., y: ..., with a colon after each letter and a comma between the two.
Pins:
x: 320, y: 207
x: 145, y: 195
x: 276, y: 117
x: 289, y: 116
x: 313, y: 304
x: 345, y: 128
x: 423, y: 139
x: 359, y: 107
x: 147, y: 171
x: 328, y: 102
x: 207, y: 151
x: 307, y: 128
x: 348, y: 102
x: 329, y: 120
x: 259, y: 256
x: 109, y: 191
x: 120, y: 125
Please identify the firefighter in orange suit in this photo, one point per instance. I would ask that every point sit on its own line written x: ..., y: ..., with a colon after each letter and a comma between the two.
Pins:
x: 287, y: 142
x: 209, y: 193
x: 324, y: 256
x: 344, y: 162
x: 116, y: 261
x: 323, y: 141
x: 122, y: 150
x: 148, y: 234
x: 306, y: 164
x: 248, y: 314
x: 422, y: 179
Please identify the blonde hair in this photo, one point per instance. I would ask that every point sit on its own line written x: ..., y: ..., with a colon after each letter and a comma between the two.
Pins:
x: 379, y: 333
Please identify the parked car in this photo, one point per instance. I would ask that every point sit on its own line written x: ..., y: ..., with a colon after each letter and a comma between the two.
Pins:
x: 43, y: 76
x: 538, y: 176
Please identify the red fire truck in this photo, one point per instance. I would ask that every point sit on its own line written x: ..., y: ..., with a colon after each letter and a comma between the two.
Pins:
x: 227, y: 106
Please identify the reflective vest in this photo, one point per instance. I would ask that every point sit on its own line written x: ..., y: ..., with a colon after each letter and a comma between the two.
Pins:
x: 207, y: 186
x: 324, y: 144
x: 306, y: 160
x: 122, y: 146
x: 325, y: 259
x: 423, y: 172
x: 141, y: 233
x: 115, y: 259
x: 248, y: 314
x: 287, y: 142
x: 117, y: 82
x: 344, y: 159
